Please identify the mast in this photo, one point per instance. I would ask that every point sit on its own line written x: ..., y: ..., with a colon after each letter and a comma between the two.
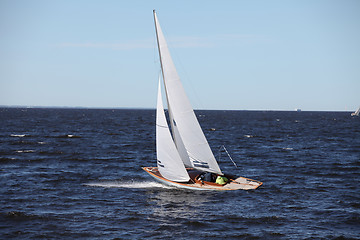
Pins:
x: 161, y: 62
x: 158, y: 44
x: 162, y: 71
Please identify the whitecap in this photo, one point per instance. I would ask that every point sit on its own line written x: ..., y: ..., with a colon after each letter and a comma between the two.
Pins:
x: 25, y: 151
x: 288, y: 149
x: 72, y: 136
x: 17, y: 135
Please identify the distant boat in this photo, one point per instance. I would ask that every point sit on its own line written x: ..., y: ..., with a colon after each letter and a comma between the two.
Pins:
x: 184, y: 158
x: 298, y: 109
x: 356, y: 113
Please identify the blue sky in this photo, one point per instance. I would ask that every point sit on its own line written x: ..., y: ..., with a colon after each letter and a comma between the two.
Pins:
x: 242, y: 55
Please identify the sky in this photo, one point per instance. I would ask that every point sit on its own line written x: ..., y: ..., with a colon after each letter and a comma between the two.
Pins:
x: 230, y: 55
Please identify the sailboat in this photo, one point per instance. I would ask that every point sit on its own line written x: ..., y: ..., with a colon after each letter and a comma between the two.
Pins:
x: 184, y: 157
x: 356, y: 113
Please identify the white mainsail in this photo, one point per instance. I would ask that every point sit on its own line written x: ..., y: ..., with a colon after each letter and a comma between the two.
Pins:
x: 169, y: 162
x: 187, y: 130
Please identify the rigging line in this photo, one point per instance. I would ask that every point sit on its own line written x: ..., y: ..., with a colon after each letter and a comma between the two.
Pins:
x: 223, y: 146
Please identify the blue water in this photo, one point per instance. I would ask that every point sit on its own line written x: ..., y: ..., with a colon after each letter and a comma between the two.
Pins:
x: 75, y: 173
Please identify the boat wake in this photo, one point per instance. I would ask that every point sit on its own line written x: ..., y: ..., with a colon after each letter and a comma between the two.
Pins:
x: 117, y: 184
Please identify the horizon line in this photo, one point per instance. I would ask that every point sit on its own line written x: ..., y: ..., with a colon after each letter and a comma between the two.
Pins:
x: 153, y: 108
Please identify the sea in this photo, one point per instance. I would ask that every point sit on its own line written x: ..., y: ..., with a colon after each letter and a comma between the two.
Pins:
x: 76, y: 174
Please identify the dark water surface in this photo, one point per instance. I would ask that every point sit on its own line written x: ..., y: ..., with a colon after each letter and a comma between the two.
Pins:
x: 75, y: 174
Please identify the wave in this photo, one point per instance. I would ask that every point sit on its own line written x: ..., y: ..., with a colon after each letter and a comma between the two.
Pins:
x: 248, y: 136
x: 22, y: 216
x: 25, y: 151
x: 69, y: 136
x: 6, y: 159
x: 117, y: 184
x: 58, y: 136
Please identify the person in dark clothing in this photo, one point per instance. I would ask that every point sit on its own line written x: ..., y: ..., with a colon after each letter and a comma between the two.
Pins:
x: 209, y: 177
